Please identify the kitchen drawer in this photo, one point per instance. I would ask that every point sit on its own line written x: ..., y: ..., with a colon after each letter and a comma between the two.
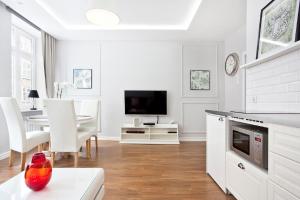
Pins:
x: 285, y: 173
x: 285, y: 141
x: 244, y: 180
x: 276, y: 192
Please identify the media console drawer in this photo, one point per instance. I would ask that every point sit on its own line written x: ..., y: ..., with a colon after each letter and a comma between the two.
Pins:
x: 158, y: 134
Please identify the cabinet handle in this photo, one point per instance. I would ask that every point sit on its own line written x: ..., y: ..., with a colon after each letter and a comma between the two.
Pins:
x: 240, y: 165
x: 220, y: 119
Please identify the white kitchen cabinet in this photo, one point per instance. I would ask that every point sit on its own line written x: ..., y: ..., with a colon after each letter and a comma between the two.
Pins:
x: 244, y: 180
x: 285, y: 173
x: 276, y: 192
x: 216, y: 148
x: 285, y: 141
x: 284, y: 160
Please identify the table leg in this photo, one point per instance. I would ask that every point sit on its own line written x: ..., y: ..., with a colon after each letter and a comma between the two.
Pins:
x: 11, y: 158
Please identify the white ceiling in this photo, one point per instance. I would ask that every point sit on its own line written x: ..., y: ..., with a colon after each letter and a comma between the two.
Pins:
x: 140, y: 19
x: 134, y: 14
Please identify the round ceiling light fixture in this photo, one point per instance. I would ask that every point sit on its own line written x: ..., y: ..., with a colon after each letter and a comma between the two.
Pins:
x: 100, y: 13
x: 102, y: 17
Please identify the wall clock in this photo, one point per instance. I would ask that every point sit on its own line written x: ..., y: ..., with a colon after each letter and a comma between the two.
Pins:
x: 232, y: 64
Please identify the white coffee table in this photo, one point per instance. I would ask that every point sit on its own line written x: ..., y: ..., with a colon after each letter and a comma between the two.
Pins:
x: 66, y: 183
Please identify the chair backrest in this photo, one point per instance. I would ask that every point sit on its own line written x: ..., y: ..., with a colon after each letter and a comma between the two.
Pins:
x: 15, y: 123
x: 90, y: 108
x: 62, y: 121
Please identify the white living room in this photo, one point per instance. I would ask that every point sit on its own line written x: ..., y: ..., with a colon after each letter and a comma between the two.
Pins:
x: 140, y: 99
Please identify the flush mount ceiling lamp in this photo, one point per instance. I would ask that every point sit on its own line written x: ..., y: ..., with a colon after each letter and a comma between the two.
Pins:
x: 100, y: 13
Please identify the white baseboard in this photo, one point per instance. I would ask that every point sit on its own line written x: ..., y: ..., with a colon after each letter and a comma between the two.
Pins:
x: 182, y: 137
x: 4, y: 155
x: 192, y: 137
x: 103, y: 137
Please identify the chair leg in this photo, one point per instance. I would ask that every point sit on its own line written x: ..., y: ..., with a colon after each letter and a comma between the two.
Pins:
x: 76, y: 159
x: 87, y: 148
x: 40, y: 148
x: 23, y: 161
x: 52, y: 158
x: 96, y: 142
x: 90, y: 144
x: 11, y: 158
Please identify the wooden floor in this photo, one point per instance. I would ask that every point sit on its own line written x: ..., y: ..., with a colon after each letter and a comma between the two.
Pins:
x: 150, y: 172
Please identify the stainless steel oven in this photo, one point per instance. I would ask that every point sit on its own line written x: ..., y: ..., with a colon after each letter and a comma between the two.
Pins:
x: 251, y: 142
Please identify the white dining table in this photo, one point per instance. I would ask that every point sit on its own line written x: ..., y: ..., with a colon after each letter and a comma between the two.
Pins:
x: 42, y: 120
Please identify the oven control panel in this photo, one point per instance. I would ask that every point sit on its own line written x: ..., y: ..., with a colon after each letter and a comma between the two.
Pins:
x: 258, y: 148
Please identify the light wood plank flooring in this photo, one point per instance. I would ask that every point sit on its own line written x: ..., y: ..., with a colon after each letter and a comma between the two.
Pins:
x: 150, y: 172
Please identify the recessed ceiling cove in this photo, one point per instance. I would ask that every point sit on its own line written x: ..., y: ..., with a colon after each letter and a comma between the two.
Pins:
x: 133, y: 14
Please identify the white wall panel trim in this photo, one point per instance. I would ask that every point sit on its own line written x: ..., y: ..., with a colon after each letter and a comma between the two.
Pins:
x: 182, y: 115
x: 4, y: 155
x: 183, y: 95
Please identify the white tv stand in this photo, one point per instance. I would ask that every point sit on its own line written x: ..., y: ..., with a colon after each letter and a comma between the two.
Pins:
x: 157, y: 134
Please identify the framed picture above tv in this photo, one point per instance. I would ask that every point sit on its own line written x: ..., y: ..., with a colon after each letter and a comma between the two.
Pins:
x: 279, y: 26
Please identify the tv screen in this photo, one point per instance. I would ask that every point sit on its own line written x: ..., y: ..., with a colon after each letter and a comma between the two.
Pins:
x: 145, y: 102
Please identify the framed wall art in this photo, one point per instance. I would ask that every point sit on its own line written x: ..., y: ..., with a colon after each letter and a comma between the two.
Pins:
x: 82, y: 78
x: 279, y: 26
x: 199, y: 80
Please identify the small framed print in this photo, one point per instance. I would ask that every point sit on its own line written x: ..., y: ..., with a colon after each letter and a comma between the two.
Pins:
x: 82, y: 78
x: 199, y: 80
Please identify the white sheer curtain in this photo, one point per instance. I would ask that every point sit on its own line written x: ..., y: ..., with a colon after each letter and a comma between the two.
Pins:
x: 48, y: 49
x: 40, y: 75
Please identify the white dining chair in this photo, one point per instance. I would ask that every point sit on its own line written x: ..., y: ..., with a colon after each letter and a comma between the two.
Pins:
x: 90, y: 108
x: 20, y: 140
x: 64, y: 136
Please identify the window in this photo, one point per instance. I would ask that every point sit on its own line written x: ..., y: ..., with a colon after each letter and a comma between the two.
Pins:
x: 23, y: 65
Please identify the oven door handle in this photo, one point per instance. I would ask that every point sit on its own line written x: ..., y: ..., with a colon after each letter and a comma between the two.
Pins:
x: 240, y: 165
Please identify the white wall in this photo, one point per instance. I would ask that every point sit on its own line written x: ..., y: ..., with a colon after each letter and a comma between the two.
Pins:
x: 151, y: 65
x: 137, y: 66
x: 5, y: 75
x: 235, y: 85
x: 85, y: 55
x: 274, y: 86
x: 253, y: 18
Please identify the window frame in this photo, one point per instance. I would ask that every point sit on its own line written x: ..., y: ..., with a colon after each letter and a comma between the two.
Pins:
x: 16, y: 55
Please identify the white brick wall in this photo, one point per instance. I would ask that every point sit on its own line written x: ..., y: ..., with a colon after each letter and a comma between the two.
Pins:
x: 274, y: 86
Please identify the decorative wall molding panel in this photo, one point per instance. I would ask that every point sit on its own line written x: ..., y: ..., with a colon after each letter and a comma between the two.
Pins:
x: 80, y: 55
x: 145, y: 65
x: 199, y: 57
x: 193, y: 116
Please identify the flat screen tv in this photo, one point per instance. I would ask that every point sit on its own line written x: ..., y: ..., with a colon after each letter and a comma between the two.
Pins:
x: 145, y: 102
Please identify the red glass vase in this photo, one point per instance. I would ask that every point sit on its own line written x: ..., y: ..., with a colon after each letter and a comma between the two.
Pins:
x: 38, y: 172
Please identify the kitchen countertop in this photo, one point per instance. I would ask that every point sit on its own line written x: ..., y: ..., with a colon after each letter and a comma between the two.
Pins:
x: 284, y: 119
x: 221, y: 113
